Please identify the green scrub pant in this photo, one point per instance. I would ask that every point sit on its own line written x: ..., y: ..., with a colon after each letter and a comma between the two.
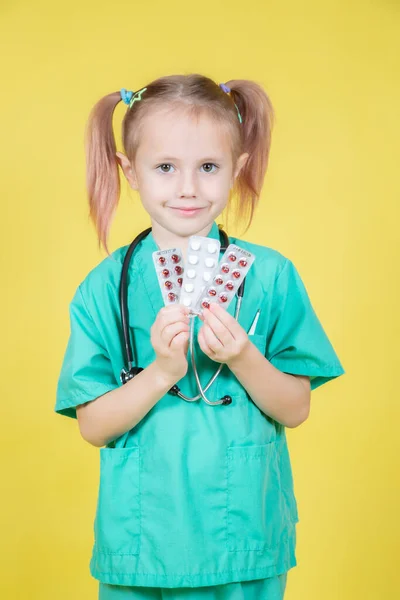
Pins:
x: 271, y: 588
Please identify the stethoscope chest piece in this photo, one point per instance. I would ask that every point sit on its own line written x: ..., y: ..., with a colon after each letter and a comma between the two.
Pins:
x: 126, y: 376
x: 226, y: 400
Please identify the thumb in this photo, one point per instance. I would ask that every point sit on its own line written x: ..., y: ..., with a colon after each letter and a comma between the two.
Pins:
x: 179, y: 340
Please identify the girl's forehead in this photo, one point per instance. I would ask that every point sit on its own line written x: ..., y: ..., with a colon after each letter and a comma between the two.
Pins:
x: 165, y: 129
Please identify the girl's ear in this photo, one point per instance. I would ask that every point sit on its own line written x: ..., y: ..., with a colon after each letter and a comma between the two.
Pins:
x: 127, y: 169
x: 241, y: 161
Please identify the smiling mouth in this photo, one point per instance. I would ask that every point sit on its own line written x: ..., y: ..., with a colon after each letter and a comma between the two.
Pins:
x: 187, y: 208
x: 187, y: 211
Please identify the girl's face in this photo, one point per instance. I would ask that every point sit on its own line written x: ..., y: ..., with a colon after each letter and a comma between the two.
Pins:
x: 183, y: 171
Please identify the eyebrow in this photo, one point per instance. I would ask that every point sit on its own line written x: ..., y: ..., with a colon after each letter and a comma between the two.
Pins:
x: 175, y: 159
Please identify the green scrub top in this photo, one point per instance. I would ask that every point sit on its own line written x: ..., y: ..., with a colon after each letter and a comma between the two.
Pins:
x: 193, y: 495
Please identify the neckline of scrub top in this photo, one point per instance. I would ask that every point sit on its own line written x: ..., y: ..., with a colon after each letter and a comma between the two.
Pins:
x: 148, y: 272
x: 150, y: 244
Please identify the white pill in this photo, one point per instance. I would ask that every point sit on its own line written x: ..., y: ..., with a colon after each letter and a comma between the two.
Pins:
x: 189, y: 287
x: 187, y: 301
x: 210, y: 262
x: 195, y: 244
x: 191, y: 273
x: 206, y: 276
x: 211, y: 248
x: 193, y: 259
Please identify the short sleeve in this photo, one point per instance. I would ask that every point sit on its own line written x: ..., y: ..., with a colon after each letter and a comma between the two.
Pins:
x: 297, y: 343
x: 86, y: 371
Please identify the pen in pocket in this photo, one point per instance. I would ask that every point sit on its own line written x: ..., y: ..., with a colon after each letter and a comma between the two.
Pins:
x: 254, y: 323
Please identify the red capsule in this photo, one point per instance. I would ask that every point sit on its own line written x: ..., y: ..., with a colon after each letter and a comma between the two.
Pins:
x: 165, y: 273
x: 212, y: 292
x: 218, y: 280
x: 232, y: 257
x: 179, y: 280
x: 168, y: 284
x: 229, y: 285
x: 242, y: 262
x: 236, y: 274
x: 223, y: 297
x: 205, y: 304
x: 175, y: 258
x: 161, y: 260
x: 171, y: 296
x: 225, y: 268
x: 178, y: 269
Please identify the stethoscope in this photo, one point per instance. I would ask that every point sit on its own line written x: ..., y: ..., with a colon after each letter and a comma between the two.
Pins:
x: 127, y: 374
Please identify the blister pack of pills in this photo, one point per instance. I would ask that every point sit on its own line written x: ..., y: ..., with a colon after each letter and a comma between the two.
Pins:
x: 226, y: 278
x: 170, y: 271
x: 202, y: 259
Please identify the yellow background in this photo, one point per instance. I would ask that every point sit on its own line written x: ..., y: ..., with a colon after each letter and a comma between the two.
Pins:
x: 330, y: 203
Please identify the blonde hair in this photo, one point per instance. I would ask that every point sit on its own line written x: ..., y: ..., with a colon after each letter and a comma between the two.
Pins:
x: 195, y: 94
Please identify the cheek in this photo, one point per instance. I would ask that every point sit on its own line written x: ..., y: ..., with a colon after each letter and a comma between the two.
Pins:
x: 217, y: 188
x: 154, y: 189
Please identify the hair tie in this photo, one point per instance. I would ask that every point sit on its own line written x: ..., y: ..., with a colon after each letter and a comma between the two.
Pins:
x: 126, y: 95
x: 227, y: 89
x: 130, y: 98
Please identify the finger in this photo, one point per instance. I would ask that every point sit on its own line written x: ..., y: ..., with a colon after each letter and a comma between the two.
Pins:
x: 180, y: 339
x: 220, y: 330
x: 172, y: 314
x: 212, y: 341
x: 174, y: 310
x: 222, y: 315
x: 169, y: 332
x: 203, y: 344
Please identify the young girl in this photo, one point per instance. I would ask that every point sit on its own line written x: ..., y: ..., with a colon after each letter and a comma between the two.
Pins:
x: 196, y: 501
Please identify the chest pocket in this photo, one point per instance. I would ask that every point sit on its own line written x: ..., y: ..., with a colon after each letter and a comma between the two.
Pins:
x: 259, y: 340
x: 227, y: 383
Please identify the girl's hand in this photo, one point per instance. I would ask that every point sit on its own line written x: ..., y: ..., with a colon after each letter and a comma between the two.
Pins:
x: 221, y: 337
x: 170, y: 340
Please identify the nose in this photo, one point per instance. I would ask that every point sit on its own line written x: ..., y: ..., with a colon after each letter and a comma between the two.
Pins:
x: 187, y: 185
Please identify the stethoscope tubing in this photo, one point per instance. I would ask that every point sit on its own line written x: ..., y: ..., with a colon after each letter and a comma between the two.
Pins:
x: 127, y: 374
x: 195, y: 371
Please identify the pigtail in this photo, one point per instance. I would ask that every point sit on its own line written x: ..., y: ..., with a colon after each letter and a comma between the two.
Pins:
x: 102, y: 174
x: 258, y: 117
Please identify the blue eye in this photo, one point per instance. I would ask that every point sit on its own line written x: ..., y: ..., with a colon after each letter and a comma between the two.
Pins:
x: 169, y: 165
